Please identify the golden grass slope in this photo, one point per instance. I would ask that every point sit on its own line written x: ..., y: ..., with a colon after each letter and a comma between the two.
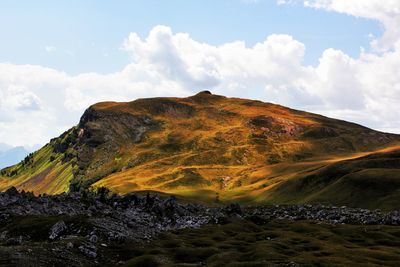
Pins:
x: 233, y: 149
x: 205, y: 147
x: 42, y: 176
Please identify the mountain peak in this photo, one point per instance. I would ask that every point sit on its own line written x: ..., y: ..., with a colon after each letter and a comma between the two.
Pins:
x: 197, y: 146
x: 205, y: 92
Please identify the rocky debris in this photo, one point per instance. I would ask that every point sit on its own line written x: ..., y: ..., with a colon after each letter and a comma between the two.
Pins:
x: 57, y: 230
x: 12, y: 191
x: 126, y: 214
x: 89, y: 250
x: 129, y: 211
x: 330, y: 214
x: 233, y: 208
x: 101, y: 220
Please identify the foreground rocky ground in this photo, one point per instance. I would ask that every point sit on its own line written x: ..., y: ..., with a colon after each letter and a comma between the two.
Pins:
x: 100, y: 229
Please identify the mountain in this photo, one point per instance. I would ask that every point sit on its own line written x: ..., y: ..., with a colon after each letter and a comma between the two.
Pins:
x: 211, y: 148
x: 4, y: 147
x: 11, y: 155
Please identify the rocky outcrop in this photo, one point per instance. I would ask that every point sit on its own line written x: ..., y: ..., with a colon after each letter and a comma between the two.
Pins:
x: 154, y: 213
x: 97, y: 127
x: 108, y: 131
x: 57, y: 230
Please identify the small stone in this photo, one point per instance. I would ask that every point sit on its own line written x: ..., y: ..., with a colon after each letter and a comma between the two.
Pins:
x: 3, y: 235
x: 93, y: 239
x: 57, y: 230
x: 14, y: 241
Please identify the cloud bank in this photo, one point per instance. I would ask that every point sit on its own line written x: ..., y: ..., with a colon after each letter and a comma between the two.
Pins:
x: 38, y: 103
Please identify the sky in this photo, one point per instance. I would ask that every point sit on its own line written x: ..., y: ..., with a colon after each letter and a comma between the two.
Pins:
x: 339, y: 58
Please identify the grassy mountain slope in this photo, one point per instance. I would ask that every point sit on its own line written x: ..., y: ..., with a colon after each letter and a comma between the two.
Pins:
x: 48, y: 170
x: 372, y: 181
x: 207, y: 147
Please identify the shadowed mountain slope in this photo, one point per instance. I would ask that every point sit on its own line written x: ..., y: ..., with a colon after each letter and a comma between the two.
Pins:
x: 212, y: 148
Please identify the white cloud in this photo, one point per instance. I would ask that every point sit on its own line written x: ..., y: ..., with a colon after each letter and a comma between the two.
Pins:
x: 20, y: 98
x: 387, y: 12
x: 37, y: 103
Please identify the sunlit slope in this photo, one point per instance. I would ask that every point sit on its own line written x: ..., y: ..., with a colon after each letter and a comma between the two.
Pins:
x: 48, y: 170
x: 369, y: 181
x: 205, y: 147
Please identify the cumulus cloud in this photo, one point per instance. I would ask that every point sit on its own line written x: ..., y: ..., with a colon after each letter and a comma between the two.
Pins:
x: 20, y: 98
x: 38, y: 103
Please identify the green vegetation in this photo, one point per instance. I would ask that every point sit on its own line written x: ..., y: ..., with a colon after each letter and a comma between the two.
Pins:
x: 44, y: 171
x: 371, y: 181
x: 244, y: 243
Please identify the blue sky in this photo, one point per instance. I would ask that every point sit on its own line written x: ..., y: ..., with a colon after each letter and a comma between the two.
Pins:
x: 339, y: 58
x: 86, y: 36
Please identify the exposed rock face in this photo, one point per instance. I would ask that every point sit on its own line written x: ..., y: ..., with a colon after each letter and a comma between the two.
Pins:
x: 107, y: 131
x: 99, y: 127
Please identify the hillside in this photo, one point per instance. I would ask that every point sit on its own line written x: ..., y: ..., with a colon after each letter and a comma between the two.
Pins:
x: 213, y: 148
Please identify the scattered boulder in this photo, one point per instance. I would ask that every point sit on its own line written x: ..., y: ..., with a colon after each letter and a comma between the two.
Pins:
x: 57, y: 229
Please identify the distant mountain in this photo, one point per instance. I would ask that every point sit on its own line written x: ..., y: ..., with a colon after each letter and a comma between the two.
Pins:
x: 4, y: 147
x: 11, y: 156
x: 212, y: 148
